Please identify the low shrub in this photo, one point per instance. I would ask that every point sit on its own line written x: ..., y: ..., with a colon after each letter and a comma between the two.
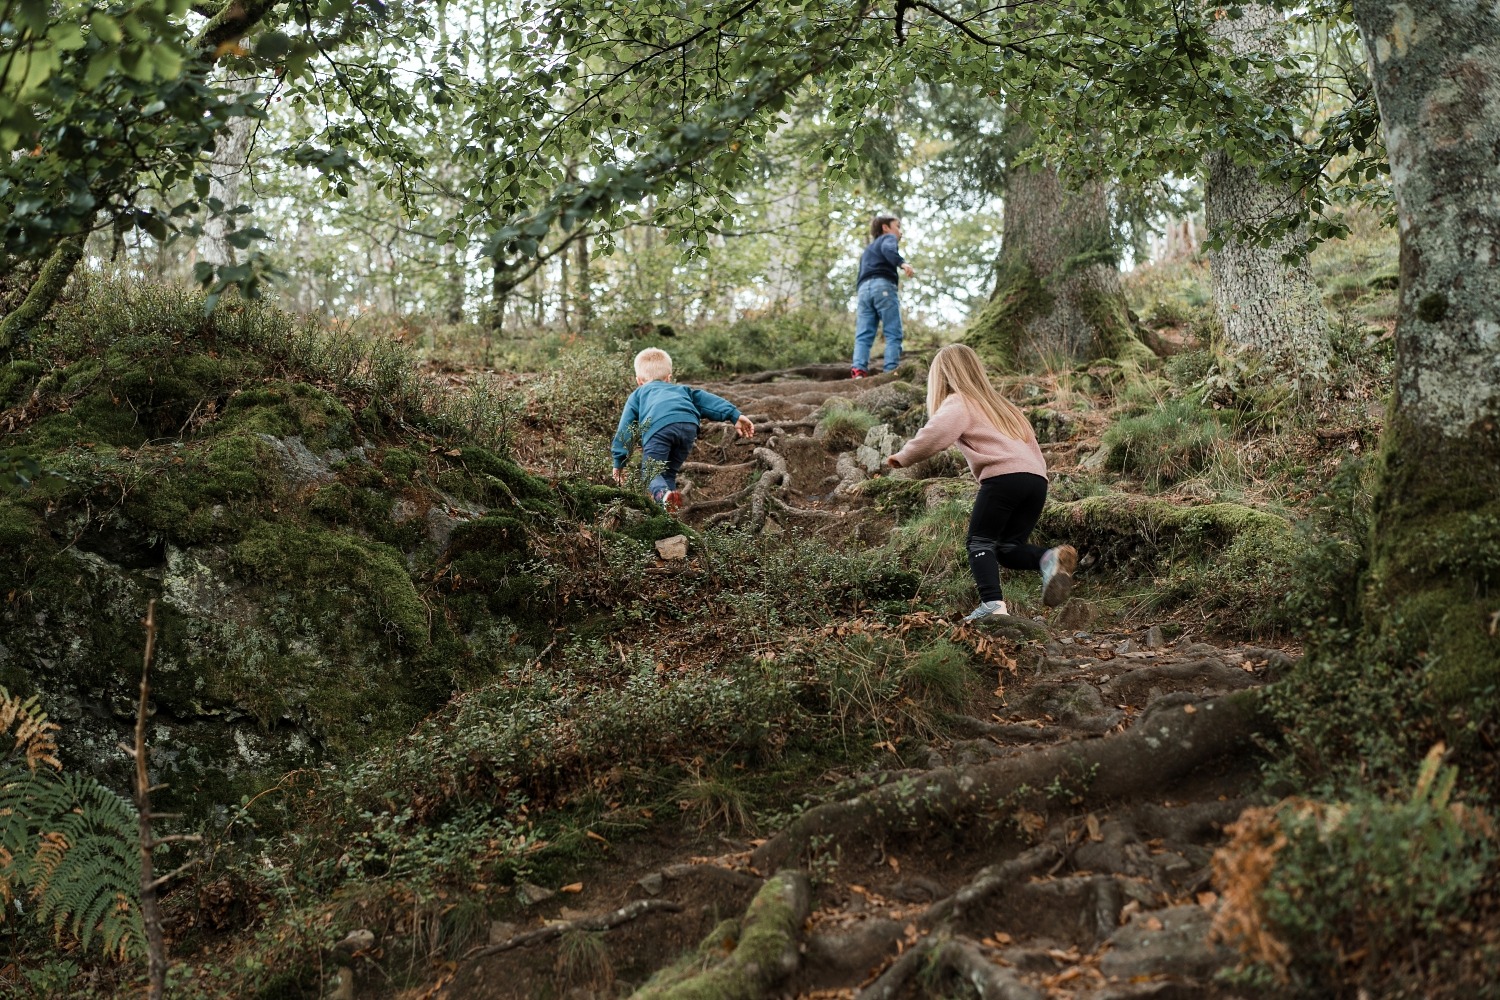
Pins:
x: 1325, y: 893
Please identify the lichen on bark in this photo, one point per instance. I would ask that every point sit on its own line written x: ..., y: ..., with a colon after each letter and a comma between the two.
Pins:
x: 1431, y: 598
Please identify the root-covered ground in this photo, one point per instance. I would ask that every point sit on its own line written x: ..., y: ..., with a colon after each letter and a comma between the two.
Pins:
x: 1051, y: 834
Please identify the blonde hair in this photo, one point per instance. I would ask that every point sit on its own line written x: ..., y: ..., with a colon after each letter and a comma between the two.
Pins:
x: 653, y: 363
x: 957, y: 369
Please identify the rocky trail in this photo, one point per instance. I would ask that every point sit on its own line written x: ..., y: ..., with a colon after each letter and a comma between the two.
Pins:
x: 1056, y: 839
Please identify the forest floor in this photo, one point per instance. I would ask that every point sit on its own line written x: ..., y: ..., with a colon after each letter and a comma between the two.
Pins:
x: 1054, y: 838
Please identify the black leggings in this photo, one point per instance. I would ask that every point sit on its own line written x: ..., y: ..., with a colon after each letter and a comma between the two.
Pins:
x: 1005, y: 511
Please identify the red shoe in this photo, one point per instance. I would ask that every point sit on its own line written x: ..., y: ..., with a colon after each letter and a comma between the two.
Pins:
x: 858, y: 373
x: 672, y: 501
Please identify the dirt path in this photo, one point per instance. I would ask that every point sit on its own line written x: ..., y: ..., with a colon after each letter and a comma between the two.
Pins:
x: 1056, y: 841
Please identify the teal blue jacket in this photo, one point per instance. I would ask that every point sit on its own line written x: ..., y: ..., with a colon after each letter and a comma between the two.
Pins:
x: 657, y: 404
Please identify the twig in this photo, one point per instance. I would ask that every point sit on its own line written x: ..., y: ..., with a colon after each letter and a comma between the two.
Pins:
x: 156, y: 945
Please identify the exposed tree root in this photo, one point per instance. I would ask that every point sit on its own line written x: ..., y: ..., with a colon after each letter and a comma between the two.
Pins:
x: 714, y: 467
x: 1156, y: 751
x: 989, y: 881
x: 959, y: 956
x: 822, y: 373
x: 1010, y: 732
x: 593, y: 922
x: 763, y: 949
x: 850, y: 473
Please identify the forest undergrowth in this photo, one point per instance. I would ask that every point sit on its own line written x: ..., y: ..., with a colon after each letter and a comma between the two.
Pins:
x: 779, y: 765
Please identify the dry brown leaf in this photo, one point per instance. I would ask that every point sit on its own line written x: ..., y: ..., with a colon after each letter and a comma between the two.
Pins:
x: 572, y: 887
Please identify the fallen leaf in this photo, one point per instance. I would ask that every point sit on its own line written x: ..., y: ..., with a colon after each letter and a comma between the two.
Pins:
x: 1190, y: 709
x: 1153, y: 924
x: 594, y: 836
x: 572, y: 887
x: 1206, y: 899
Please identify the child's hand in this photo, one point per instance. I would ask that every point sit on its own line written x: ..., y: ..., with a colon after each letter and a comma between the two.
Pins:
x: 619, y: 477
x: 743, y: 427
x: 908, y: 269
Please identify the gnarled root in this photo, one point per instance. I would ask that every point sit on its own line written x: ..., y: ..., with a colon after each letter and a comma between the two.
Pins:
x: 765, y: 949
x: 959, y: 956
x: 1153, y: 753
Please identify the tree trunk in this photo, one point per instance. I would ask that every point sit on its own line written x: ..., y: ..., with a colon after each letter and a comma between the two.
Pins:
x: 1057, y: 296
x: 585, y: 293
x: 1433, y: 592
x: 226, y: 170
x: 1261, y: 300
x: 44, y: 291
x: 453, y: 286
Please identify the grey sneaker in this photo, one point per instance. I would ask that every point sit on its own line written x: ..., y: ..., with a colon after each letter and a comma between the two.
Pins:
x: 1057, y: 574
x: 985, y: 610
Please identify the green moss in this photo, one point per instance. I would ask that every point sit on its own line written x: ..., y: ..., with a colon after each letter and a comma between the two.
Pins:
x: 1232, y: 562
x: 401, y: 465
x: 199, y: 493
x: 1114, y: 333
x: 333, y: 504
x: 479, y: 475
x: 287, y: 409
x: 17, y: 379
x: 329, y: 569
x: 1435, y: 560
x: 654, y: 527
x: 998, y: 332
x: 739, y: 960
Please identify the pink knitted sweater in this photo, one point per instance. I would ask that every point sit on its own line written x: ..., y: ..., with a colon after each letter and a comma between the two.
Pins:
x: 988, y: 452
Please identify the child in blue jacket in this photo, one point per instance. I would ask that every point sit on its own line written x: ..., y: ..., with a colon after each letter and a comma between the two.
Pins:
x: 664, y: 417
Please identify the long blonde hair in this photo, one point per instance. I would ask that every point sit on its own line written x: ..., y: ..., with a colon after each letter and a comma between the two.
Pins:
x: 957, y: 369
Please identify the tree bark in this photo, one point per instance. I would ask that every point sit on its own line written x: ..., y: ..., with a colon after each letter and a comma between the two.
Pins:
x: 231, y: 153
x: 1057, y: 296
x: 585, y: 291
x: 44, y: 291
x: 1433, y: 589
x: 1261, y: 300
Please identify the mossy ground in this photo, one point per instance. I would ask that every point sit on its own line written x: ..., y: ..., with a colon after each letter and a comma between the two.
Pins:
x: 309, y: 527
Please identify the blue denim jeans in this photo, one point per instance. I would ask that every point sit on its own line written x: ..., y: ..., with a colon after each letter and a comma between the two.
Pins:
x: 878, y: 306
x: 663, y: 454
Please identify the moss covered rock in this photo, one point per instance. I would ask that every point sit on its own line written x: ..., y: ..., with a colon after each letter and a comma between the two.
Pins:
x: 321, y: 551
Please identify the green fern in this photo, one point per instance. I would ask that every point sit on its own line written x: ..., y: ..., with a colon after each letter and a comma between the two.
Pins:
x: 68, y: 845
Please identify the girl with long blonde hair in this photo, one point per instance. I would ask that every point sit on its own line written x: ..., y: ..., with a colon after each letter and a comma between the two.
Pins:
x: 1000, y: 446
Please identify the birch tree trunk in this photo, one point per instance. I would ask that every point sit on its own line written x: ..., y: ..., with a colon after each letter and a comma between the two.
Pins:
x: 226, y: 171
x: 1057, y: 296
x: 1261, y: 300
x: 1433, y: 591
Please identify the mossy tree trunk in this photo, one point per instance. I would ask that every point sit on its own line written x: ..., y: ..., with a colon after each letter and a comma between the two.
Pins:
x: 1261, y: 300
x: 49, y: 283
x: 1433, y: 592
x: 1057, y: 296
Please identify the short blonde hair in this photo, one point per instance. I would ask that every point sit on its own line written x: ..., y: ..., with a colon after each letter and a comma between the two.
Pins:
x: 653, y: 363
x: 957, y: 370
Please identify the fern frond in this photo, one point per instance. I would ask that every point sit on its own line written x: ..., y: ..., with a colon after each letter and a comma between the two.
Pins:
x: 73, y: 848
x: 35, y: 736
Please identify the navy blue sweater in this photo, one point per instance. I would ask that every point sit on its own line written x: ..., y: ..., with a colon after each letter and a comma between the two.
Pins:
x: 880, y: 260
